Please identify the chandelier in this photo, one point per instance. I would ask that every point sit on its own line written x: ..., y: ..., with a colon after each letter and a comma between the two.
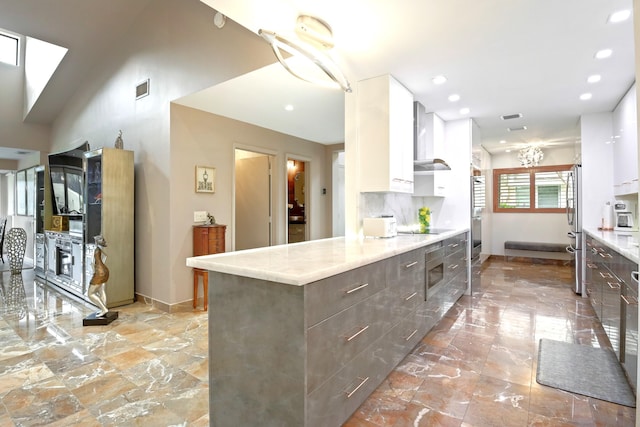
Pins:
x: 530, y: 156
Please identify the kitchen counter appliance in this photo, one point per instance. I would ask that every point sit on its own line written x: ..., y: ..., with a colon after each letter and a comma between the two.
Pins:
x: 384, y: 226
x: 623, y: 217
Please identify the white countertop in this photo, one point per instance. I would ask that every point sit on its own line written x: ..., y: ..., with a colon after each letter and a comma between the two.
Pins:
x: 306, y: 262
x: 624, y: 242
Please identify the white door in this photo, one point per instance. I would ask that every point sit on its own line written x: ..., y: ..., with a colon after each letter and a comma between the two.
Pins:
x: 253, y: 201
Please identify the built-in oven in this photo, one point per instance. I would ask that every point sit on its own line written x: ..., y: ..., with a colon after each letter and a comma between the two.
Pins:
x: 64, y: 258
x: 434, y: 258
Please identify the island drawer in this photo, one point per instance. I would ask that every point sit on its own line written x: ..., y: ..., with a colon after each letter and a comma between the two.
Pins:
x: 455, y: 243
x: 332, y: 343
x: 336, y: 399
x: 329, y: 296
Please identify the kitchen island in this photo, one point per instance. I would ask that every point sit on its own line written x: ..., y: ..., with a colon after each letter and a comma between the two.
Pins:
x: 301, y: 334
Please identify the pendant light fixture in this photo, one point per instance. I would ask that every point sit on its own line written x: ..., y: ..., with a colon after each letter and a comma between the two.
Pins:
x: 314, y: 39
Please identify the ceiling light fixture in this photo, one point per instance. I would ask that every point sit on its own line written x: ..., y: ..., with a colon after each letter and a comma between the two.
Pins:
x: 315, y: 39
x: 585, y: 96
x: 595, y: 78
x: 604, y: 53
x: 619, y: 16
x: 454, y: 97
x: 438, y: 80
x: 530, y: 156
x: 502, y: 141
x: 288, y: 107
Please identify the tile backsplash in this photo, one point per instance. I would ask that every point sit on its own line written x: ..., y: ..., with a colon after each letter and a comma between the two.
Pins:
x: 404, y: 207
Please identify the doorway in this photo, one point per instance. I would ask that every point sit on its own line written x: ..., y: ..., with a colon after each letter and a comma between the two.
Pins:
x: 297, y: 200
x: 253, y: 199
x: 338, y: 199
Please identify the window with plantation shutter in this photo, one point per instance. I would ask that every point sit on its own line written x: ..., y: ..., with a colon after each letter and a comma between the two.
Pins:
x: 539, y: 189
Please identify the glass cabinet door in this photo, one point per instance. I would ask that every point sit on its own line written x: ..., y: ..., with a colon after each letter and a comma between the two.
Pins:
x: 93, y: 201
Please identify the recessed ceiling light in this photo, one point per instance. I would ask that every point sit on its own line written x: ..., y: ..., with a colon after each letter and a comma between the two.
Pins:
x: 619, y: 16
x: 585, y: 96
x: 454, y: 97
x: 514, y: 129
x: 465, y: 111
x: 604, y: 53
x: 288, y: 107
x: 595, y: 78
x: 508, y: 150
x: 502, y: 141
x: 438, y: 80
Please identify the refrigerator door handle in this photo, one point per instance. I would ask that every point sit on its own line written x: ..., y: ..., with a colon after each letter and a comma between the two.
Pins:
x: 571, y: 249
x: 571, y: 235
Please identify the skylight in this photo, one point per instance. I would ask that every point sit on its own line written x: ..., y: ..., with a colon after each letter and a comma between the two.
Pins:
x: 9, y: 49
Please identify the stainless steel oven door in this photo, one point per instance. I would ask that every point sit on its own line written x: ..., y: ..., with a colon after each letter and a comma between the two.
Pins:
x: 64, y: 259
x: 434, y: 270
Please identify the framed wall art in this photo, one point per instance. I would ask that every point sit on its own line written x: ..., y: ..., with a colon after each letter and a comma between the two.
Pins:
x: 205, y: 179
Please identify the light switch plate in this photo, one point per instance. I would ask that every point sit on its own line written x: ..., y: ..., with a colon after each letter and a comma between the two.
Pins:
x: 199, y: 216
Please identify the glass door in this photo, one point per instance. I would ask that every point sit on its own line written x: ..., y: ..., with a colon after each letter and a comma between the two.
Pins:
x: 93, y: 213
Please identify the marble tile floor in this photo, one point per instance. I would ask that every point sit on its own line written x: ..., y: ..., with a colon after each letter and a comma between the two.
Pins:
x: 477, y: 367
x: 149, y: 368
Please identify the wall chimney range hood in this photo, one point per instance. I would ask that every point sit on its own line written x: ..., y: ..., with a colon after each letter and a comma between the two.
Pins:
x: 430, y: 165
x: 425, y: 133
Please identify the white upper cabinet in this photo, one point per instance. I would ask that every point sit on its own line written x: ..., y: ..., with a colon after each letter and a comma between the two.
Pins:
x: 625, y: 145
x: 385, y: 135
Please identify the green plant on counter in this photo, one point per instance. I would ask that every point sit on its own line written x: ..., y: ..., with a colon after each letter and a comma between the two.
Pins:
x: 424, y: 218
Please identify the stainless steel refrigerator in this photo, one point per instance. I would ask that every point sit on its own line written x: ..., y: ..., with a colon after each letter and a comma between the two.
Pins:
x: 574, y: 219
x: 477, y: 205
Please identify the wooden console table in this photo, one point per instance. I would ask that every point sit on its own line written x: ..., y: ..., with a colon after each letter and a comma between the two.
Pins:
x: 207, y: 240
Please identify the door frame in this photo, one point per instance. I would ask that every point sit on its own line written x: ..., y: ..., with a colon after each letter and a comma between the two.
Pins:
x: 274, y: 157
x: 307, y: 193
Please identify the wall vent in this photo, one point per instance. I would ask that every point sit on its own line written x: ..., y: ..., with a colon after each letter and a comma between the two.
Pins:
x: 511, y: 116
x: 22, y: 152
x: 517, y: 129
x: 142, y: 89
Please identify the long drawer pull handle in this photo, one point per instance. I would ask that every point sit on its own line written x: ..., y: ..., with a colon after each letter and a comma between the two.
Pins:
x: 606, y: 275
x: 629, y: 302
x: 411, y: 296
x: 410, y: 336
x: 362, y: 381
x: 613, y: 285
x: 453, y: 267
x: 350, y: 291
x: 454, y: 245
x: 411, y: 264
x: 357, y: 333
x: 592, y: 265
x: 605, y: 255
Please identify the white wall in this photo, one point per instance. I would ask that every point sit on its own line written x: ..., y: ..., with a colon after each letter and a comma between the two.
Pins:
x: 178, y: 63
x: 210, y: 139
x: 532, y: 227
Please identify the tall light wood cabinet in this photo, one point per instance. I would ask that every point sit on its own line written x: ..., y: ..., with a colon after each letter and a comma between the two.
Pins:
x: 109, y: 211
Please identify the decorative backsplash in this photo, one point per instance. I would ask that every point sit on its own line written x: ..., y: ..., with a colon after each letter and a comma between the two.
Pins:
x: 404, y: 207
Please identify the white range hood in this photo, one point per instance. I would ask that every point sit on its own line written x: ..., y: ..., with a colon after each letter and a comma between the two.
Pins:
x: 424, y: 135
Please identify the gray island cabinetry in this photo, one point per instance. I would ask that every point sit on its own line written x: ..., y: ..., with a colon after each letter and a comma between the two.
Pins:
x: 300, y: 335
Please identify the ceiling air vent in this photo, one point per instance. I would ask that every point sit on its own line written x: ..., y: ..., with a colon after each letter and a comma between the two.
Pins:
x: 22, y: 153
x: 517, y: 128
x: 511, y: 116
x: 142, y: 89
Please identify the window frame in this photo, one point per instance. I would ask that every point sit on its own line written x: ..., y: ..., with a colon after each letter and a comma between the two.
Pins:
x: 18, y: 40
x: 532, y: 188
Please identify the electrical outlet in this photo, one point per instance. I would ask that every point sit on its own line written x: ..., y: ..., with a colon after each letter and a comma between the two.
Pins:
x: 199, y: 216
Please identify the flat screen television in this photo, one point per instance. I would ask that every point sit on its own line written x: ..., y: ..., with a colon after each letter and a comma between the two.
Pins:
x: 67, y: 181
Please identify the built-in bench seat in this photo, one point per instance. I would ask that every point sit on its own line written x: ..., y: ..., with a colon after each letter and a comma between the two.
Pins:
x: 535, y: 246
x: 537, y: 252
